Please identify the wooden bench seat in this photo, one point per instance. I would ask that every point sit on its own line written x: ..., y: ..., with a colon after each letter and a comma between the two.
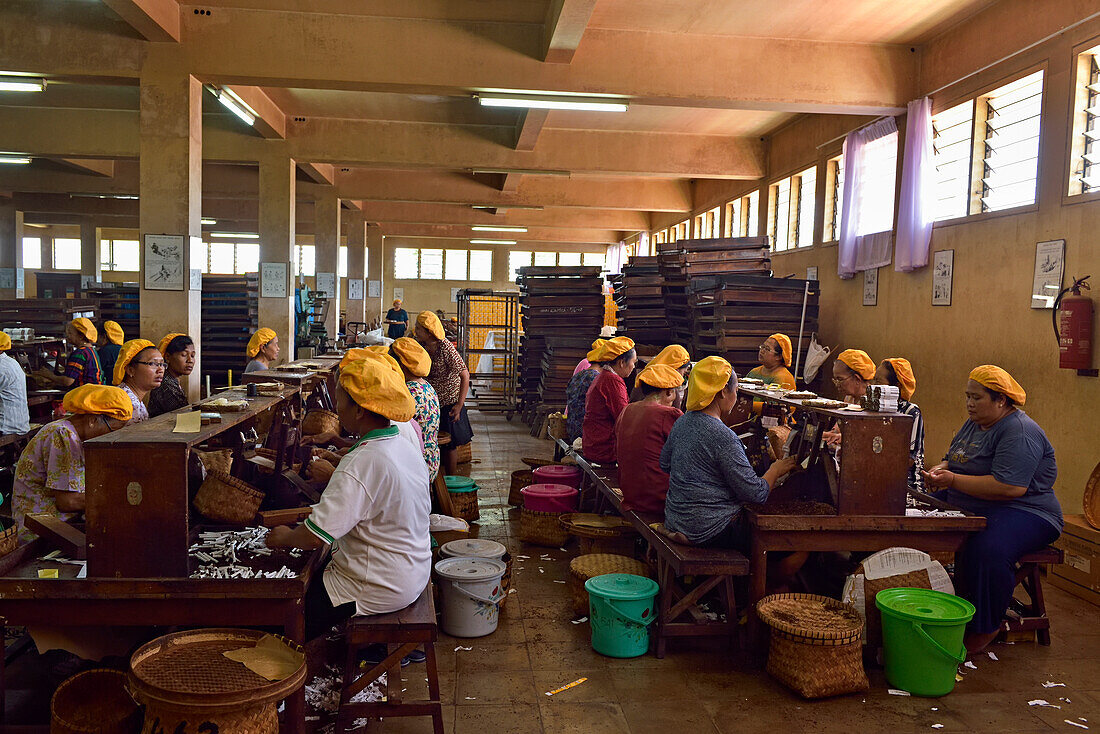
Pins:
x: 402, y: 632
x: 1029, y: 576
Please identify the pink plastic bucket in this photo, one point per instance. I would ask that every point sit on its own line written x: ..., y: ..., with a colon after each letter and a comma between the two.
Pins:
x: 570, y: 476
x: 550, y: 498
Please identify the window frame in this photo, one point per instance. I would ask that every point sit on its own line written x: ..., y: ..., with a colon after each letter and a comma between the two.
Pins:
x: 53, y: 253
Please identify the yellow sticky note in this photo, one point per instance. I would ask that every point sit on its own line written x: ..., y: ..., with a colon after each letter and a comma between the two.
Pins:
x: 189, y: 422
x: 47, y: 573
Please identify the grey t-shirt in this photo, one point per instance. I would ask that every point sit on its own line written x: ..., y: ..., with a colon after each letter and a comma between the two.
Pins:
x: 710, y: 477
x: 255, y: 366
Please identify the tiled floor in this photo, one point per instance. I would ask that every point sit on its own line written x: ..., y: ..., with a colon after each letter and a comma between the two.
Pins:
x: 499, y: 687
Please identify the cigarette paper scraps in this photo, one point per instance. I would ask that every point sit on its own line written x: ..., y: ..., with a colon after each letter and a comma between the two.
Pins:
x: 566, y: 687
x: 470, y: 698
x: 970, y: 665
x: 897, y: 692
x: 464, y: 649
x: 556, y: 581
x: 1042, y: 702
x: 935, y: 708
x: 1074, y: 723
x: 1052, y: 684
x: 937, y: 726
x: 582, y: 620
x: 992, y: 655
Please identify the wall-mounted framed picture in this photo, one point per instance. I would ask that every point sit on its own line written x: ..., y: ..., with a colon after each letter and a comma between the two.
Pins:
x: 163, y: 266
x: 1050, y: 264
x: 273, y: 279
x: 870, y: 287
x: 943, y: 269
x: 811, y: 272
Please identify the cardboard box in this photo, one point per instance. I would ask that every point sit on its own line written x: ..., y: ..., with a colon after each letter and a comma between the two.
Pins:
x: 1079, y: 574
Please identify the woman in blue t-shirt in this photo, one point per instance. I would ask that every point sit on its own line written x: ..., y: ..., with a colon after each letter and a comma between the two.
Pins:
x: 398, y: 320
x: 1001, y: 466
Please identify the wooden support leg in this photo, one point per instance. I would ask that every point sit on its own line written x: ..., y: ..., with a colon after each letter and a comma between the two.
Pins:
x: 667, y: 581
x: 295, y: 629
x: 1039, y: 606
x: 758, y: 579
x: 433, y: 687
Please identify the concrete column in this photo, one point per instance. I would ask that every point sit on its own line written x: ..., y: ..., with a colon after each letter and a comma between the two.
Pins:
x: 326, y: 237
x: 376, y: 307
x: 170, y: 169
x: 11, y: 248
x: 277, y: 209
x: 89, y: 251
x: 357, y: 263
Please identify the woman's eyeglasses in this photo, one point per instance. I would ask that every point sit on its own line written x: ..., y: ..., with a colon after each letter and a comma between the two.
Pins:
x: 155, y: 365
x: 838, y: 381
x: 766, y: 348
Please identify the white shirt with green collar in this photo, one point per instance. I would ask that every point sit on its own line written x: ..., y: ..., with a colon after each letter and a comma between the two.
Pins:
x: 374, y: 514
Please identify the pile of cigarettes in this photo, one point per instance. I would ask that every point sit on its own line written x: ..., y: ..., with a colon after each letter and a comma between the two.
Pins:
x: 223, y: 552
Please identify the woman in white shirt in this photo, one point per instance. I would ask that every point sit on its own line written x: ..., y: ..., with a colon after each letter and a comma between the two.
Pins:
x: 14, y: 415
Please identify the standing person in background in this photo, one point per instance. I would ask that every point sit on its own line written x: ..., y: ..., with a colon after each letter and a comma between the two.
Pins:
x: 14, y: 415
x: 607, y: 397
x: 179, y: 358
x: 398, y: 320
x: 262, y: 350
x: 450, y: 377
x: 107, y: 346
x: 82, y: 367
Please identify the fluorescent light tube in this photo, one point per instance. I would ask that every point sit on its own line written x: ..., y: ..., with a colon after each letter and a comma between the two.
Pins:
x: 552, y: 102
x: 523, y: 171
x: 487, y: 228
x: 207, y: 221
x: 18, y: 160
x: 492, y: 242
x: 234, y: 104
x: 236, y: 235
x: 22, y: 84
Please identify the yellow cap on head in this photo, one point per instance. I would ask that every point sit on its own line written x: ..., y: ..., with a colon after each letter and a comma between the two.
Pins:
x: 616, y: 347
x: 376, y: 383
x: 431, y: 324
x: 5, y: 341
x: 994, y: 378
x: 86, y: 328
x: 662, y: 376
x: 673, y: 355
x: 112, y: 402
x: 707, y: 378
x: 595, y: 354
x: 129, y: 350
x: 858, y: 361
x: 412, y: 356
x: 162, y: 345
x: 258, y: 340
x: 784, y: 342
x: 114, y: 332
x: 907, y: 381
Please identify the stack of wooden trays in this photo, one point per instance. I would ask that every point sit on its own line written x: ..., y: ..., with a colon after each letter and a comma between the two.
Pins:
x: 230, y: 305
x: 118, y: 302
x: 47, y: 316
x: 640, y: 297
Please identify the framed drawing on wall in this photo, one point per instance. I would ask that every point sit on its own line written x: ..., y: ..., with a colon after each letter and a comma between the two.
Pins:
x: 870, y: 287
x: 1050, y: 262
x: 163, y: 266
x: 943, y: 268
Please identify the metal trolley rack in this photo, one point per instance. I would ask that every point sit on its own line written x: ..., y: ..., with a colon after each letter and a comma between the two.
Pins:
x: 488, y: 340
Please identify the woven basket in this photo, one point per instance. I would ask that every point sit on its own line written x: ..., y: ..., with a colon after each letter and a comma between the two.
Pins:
x: 218, y: 460
x: 520, y: 478
x: 555, y: 426
x: 612, y: 535
x: 464, y: 505
x: 1091, y: 500
x: 95, y: 701
x: 464, y: 454
x: 320, y: 421
x: 542, y: 528
x: 224, y: 498
x: 816, y: 644
x: 586, y: 567
x: 9, y: 540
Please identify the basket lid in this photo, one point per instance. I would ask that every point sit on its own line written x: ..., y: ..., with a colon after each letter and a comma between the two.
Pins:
x: 622, y: 586
x: 470, y: 569
x: 557, y: 471
x: 473, y: 548
x: 810, y: 616
x: 459, y: 484
x: 924, y: 605
x: 549, y: 490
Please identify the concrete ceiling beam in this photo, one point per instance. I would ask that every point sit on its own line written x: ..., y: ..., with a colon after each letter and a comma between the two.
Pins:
x: 455, y: 214
x: 82, y: 42
x: 155, y: 20
x: 565, y: 24
x: 270, y: 120
x: 88, y: 166
x: 528, y: 128
x: 462, y: 232
x: 318, y: 173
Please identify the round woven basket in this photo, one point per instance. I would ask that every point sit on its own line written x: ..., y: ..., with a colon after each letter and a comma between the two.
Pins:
x: 520, y: 478
x: 464, y: 454
x: 1092, y: 498
x: 217, y: 460
x: 9, y: 540
x: 600, y: 533
x: 542, y: 528
x: 464, y: 505
x: 816, y: 644
x: 96, y: 700
x: 225, y: 498
x: 320, y: 421
x: 586, y: 567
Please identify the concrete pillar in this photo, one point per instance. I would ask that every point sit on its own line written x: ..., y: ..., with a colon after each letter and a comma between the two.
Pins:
x: 376, y: 307
x: 326, y: 237
x: 11, y: 249
x: 170, y: 169
x: 357, y: 265
x: 277, y: 210
x: 90, y: 265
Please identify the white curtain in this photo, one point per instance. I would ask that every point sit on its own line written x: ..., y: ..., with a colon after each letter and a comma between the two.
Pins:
x: 917, y: 174
x: 616, y: 254
x: 867, y: 208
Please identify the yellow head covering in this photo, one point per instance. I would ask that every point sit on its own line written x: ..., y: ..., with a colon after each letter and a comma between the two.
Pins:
x: 784, y: 342
x: 994, y: 378
x: 662, y: 376
x: 707, y: 378
x: 595, y: 354
x: 616, y: 347
x: 858, y: 361
x: 5, y: 341
x: 256, y: 343
x: 673, y: 355
x: 377, y: 384
x: 112, y: 402
x: 430, y: 322
x: 413, y: 356
x: 114, y: 332
x: 396, y: 302
x: 162, y: 345
x: 907, y: 381
x: 351, y: 355
x: 129, y: 350
x: 86, y: 328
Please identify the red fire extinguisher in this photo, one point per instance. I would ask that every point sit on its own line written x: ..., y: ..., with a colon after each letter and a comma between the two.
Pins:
x: 1073, y: 324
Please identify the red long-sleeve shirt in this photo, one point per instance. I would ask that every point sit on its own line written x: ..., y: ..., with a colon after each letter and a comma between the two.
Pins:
x: 640, y: 435
x: 606, y: 400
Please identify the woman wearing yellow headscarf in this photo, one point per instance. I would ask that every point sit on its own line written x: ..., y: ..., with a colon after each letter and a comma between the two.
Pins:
x: 775, y: 355
x: 376, y: 506
x: 262, y: 350
x: 179, y: 358
x: 577, y: 390
x: 640, y: 435
x: 450, y: 377
x: 49, y: 477
x: 676, y: 357
x: 710, y: 477
x: 606, y: 399
x: 1001, y: 466
x: 416, y: 364
x: 138, y: 371
x: 898, y: 372
x: 853, y: 371
x: 82, y: 366
x: 111, y: 337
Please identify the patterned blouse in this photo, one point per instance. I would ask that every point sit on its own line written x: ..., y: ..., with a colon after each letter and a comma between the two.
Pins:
x: 84, y: 368
x: 167, y: 397
x: 53, y: 461
x: 427, y: 417
x: 446, y: 372
x: 575, y: 394
x: 141, y: 413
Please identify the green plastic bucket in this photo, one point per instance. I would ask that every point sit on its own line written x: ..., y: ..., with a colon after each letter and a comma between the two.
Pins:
x: 922, y: 632
x: 460, y: 484
x: 621, y: 609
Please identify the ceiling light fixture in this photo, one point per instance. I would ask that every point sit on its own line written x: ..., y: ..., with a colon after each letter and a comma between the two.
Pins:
x: 543, y: 101
x: 232, y: 102
x: 492, y: 242
x: 15, y: 160
x: 14, y: 83
x: 121, y: 197
x: 487, y: 228
x: 501, y: 207
x: 235, y: 235
x: 208, y: 221
x: 523, y: 171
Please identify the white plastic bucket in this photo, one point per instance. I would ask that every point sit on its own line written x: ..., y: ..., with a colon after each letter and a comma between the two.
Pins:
x: 473, y: 548
x: 470, y: 589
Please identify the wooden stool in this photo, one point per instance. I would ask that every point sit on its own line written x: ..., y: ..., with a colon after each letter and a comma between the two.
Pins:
x: 1034, y: 615
x: 402, y: 632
